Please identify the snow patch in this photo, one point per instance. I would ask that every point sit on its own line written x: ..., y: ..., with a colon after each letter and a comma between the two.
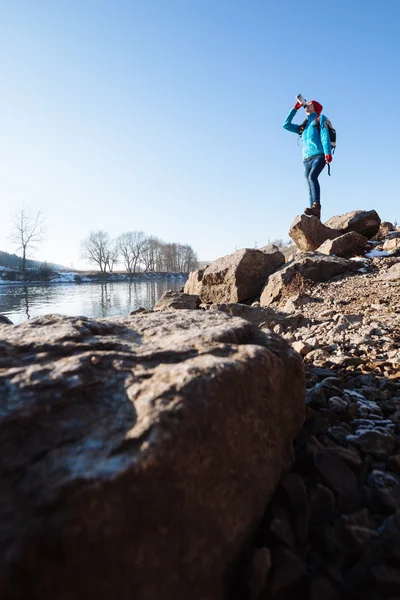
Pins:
x: 377, y: 253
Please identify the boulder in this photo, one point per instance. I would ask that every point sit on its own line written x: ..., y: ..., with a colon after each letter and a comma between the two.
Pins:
x: 177, y: 300
x: 237, y: 277
x: 365, y: 222
x: 384, y: 229
x: 392, y: 274
x: 347, y: 245
x: 138, y: 454
x: 193, y: 286
x: 311, y: 267
x: 392, y: 245
x: 308, y: 233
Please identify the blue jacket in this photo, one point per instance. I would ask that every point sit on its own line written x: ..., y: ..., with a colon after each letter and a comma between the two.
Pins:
x: 315, y: 140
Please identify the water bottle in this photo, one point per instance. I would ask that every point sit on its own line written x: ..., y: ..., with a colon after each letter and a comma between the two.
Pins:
x: 300, y: 99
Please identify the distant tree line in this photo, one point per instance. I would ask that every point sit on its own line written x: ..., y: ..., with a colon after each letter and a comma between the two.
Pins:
x: 138, y: 252
x: 12, y: 260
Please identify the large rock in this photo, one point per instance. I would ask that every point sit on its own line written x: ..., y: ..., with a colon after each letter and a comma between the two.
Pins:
x: 308, y: 267
x: 237, y: 277
x: 177, y: 300
x: 308, y: 233
x: 347, y: 245
x: 392, y: 245
x: 365, y: 222
x: 194, y: 285
x: 138, y: 454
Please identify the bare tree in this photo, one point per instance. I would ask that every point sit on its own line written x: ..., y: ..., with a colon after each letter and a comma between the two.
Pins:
x: 96, y: 249
x: 131, y: 246
x: 151, y: 257
x: 112, y: 256
x: 28, y: 230
x: 189, y: 261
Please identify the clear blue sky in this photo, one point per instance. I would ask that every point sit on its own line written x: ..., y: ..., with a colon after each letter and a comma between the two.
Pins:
x: 166, y: 116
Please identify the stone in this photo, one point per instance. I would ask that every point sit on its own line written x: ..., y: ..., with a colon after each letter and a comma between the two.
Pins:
x: 389, y: 533
x: 347, y: 245
x: 177, y: 300
x: 261, y: 566
x: 350, y: 456
x: 138, y: 311
x: 5, y: 320
x: 269, y: 249
x: 296, y: 301
x: 337, y: 405
x: 308, y: 233
x: 194, y: 284
x: 322, y: 503
x: 288, y: 572
x: 392, y: 274
x: 394, y: 464
x: 392, y: 245
x: 388, y: 580
x: 120, y: 453
x: 378, y: 442
x: 301, y: 348
x: 236, y: 277
x: 261, y: 317
x: 296, y: 492
x: 365, y: 222
x: 311, y: 267
x: 354, y: 532
x: 383, y: 491
x: 321, y: 588
x: 385, y: 228
x: 339, y: 478
x: 316, y: 398
x: 318, y: 355
x: 280, y: 527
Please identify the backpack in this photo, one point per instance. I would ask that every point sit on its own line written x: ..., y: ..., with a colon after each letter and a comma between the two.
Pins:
x: 331, y: 131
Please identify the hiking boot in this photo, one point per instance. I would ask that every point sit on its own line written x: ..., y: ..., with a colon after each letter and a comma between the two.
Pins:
x: 313, y: 211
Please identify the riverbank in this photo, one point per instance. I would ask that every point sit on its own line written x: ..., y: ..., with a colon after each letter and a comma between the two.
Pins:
x: 11, y: 276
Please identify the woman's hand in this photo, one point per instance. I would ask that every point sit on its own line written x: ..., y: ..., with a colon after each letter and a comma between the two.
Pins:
x: 297, y: 105
x: 328, y: 158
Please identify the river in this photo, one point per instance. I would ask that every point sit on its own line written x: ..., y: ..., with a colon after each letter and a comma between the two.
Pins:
x: 97, y: 300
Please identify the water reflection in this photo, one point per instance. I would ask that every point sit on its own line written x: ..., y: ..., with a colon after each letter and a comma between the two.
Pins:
x: 88, y: 299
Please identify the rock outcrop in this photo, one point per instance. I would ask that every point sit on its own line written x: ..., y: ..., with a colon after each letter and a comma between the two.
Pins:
x: 347, y: 245
x: 314, y: 267
x: 236, y: 277
x: 138, y: 454
x: 365, y: 222
x: 308, y: 233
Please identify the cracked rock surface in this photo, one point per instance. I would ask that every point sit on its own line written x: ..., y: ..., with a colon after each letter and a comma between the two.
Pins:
x: 138, y: 453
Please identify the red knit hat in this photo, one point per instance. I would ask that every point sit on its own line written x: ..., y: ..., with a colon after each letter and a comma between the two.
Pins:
x: 317, y: 106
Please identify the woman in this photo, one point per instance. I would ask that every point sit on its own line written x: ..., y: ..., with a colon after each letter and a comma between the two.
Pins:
x: 317, y: 150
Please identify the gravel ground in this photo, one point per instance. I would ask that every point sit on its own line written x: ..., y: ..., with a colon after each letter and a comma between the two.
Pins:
x: 332, y: 529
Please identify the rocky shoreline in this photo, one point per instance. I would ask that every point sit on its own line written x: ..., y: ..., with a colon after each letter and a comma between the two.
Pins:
x: 333, y: 528
x: 34, y: 277
x: 191, y: 412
